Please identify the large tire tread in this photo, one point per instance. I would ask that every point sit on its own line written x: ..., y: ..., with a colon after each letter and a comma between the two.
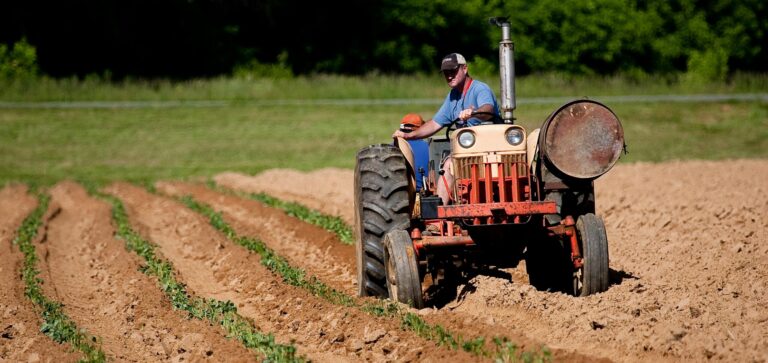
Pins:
x: 381, y: 205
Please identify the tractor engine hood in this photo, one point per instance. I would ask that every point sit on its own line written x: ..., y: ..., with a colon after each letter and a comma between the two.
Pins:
x: 582, y: 139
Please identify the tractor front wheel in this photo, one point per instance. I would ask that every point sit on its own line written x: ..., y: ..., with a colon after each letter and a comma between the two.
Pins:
x: 403, y: 279
x: 592, y: 276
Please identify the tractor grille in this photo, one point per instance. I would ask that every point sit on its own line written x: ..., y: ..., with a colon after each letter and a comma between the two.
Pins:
x: 463, y: 166
x: 515, y: 161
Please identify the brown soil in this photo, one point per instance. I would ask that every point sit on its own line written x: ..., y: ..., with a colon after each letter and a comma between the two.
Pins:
x: 689, y: 261
x: 103, y: 291
x: 20, y: 336
x: 327, y: 190
x: 214, y: 267
x: 312, y: 248
x: 689, y: 264
x: 315, y: 250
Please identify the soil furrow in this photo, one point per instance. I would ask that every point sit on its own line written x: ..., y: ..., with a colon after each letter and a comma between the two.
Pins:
x: 104, y: 292
x: 253, y: 219
x: 689, y: 267
x: 215, y: 267
x: 689, y: 263
x: 329, y: 190
x: 20, y: 336
x: 318, y: 252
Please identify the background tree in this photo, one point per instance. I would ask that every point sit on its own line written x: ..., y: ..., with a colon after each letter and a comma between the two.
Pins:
x: 709, y: 39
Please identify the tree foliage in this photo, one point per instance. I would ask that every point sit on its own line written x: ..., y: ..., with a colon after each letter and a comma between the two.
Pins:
x: 191, y: 38
x: 18, y: 62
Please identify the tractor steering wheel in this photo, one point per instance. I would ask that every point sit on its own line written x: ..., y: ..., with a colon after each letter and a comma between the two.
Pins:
x: 495, y: 119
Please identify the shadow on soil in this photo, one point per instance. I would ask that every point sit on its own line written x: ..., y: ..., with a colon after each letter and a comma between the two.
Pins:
x: 454, y: 290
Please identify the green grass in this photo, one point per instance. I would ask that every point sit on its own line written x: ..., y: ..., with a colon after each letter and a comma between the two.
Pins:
x: 56, y: 324
x: 145, y: 144
x: 368, y: 87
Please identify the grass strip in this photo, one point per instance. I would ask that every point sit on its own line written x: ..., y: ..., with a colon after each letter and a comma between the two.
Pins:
x: 329, y: 223
x: 504, y: 350
x: 56, y: 324
x: 219, y: 312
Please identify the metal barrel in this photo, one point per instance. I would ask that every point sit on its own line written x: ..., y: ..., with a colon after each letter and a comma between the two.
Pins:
x: 583, y: 139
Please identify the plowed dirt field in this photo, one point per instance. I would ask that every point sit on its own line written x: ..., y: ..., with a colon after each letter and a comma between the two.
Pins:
x: 688, y: 256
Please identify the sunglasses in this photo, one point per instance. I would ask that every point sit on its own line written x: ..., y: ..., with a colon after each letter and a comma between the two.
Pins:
x: 407, y: 128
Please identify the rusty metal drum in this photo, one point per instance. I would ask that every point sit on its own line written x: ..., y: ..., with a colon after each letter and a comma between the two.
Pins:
x: 582, y: 139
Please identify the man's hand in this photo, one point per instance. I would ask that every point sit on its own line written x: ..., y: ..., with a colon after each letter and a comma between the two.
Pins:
x: 399, y: 133
x: 427, y: 130
x: 465, y: 115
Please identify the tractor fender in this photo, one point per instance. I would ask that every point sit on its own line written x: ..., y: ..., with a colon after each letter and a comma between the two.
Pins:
x: 405, y: 148
x: 532, y: 143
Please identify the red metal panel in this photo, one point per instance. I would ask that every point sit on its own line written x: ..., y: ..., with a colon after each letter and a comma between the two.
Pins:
x: 502, y: 184
x: 475, y: 196
x: 515, y: 184
x: 488, y: 184
x: 484, y: 210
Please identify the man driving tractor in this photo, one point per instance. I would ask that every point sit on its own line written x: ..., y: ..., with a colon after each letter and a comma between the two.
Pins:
x: 501, y: 196
x: 469, y: 101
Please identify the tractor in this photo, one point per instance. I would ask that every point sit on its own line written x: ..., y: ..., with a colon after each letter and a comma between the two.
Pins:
x: 516, y: 196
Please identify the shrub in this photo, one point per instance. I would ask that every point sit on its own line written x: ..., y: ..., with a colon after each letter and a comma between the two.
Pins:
x: 707, y: 66
x: 18, y: 63
x: 255, y: 69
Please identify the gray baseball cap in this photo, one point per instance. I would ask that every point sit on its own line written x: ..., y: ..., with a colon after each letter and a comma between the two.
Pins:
x: 452, y: 61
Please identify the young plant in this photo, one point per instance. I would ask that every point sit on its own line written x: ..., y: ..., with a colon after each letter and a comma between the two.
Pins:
x: 329, y: 223
x: 297, y: 277
x: 218, y: 312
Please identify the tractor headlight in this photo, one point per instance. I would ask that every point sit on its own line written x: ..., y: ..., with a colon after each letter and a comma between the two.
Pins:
x: 514, y: 136
x: 466, y: 139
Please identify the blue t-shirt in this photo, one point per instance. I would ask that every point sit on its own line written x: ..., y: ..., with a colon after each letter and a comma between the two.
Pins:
x: 477, y: 95
x: 420, y: 150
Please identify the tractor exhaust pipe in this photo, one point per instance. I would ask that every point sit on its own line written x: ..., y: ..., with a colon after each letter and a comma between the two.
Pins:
x: 506, y: 69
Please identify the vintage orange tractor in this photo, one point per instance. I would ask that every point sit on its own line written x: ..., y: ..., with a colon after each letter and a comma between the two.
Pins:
x: 516, y: 196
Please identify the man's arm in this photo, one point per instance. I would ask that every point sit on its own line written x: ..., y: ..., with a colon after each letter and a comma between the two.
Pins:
x: 467, y: 114
x: 426, y: 130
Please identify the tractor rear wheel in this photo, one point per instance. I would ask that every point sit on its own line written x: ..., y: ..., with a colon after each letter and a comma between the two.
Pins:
x: 403, y: 280
x: 381, y: 205
x: 592, y: 277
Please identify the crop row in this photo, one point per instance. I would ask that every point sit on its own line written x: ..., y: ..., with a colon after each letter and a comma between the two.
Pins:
x: 224, y: 313
x: 502, y: 348
x: 331, y: 224
x: 56, y: 324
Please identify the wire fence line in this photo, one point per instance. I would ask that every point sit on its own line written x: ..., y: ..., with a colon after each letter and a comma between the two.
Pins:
x: 738, y: 97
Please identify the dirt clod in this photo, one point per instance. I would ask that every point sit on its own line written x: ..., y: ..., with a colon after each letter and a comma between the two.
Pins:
x: 372, y: 335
